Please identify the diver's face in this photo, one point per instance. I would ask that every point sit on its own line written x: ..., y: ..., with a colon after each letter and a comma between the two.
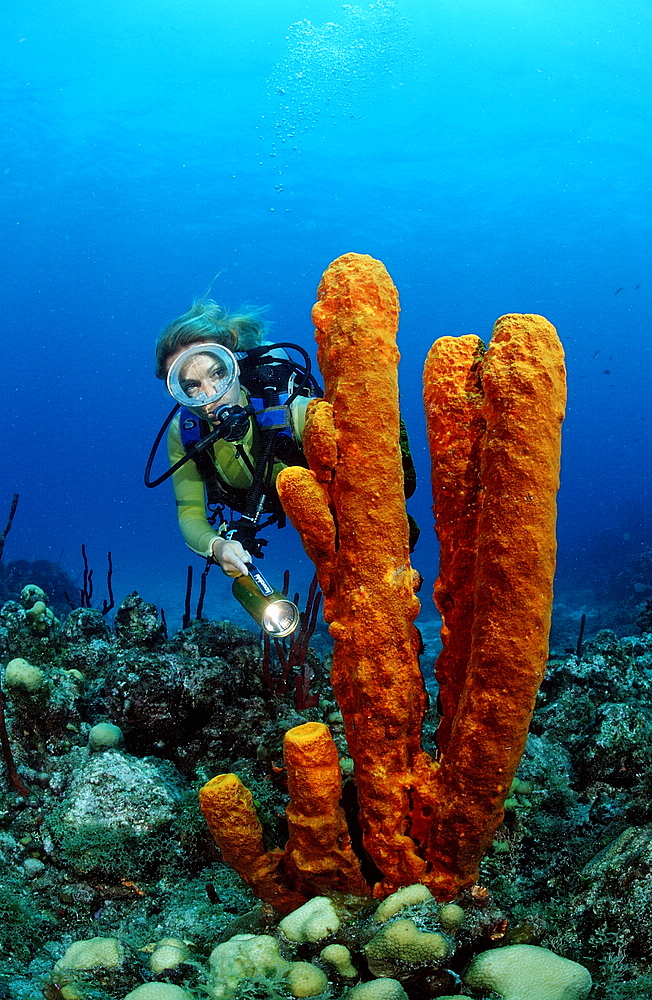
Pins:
x: 199, y: 376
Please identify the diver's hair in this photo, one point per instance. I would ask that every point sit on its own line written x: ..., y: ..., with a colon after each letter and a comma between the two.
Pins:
x: 208, y: 323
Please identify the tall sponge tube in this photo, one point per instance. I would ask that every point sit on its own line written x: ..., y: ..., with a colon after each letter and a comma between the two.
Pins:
x: 364, y: 569
x: 523, y: 386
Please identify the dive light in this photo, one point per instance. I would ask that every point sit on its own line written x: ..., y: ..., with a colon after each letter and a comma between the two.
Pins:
x: 275, y: 614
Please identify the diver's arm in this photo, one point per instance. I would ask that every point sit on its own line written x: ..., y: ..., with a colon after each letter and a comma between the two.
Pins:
x: 198, y: 534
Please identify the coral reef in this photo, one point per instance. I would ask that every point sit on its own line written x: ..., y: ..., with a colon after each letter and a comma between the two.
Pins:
x: 47, y: 576
x: 584, y: 809
x: 90, y: 729
x: 576, y: 830
x: 305, y: 955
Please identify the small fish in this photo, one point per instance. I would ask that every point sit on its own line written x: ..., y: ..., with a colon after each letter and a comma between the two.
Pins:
x: 619, y: 290
x: 636, y: 287
x: 607, y: 371
x: 596, y: 354
x: 212, y: 894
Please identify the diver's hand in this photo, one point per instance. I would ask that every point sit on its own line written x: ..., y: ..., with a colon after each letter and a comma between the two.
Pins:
x: 231, y: 556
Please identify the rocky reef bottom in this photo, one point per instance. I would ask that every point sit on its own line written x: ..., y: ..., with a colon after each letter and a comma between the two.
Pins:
x: 111, y: 886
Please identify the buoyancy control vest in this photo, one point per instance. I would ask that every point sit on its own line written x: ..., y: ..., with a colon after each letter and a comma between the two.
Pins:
x: 271, y: 382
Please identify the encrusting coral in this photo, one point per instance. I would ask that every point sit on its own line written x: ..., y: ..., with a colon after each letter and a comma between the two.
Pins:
x: 567, y: 871
x: 494, y: 427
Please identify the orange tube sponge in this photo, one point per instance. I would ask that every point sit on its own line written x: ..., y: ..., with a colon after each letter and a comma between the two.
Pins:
x: 367, y: 580
x: 494, y: 431
x: 523, y: 383
x: 319, y: 846
x: 304, y: 492
x: 229, y: 811
x: 318, y: 855
x: 452, y: 396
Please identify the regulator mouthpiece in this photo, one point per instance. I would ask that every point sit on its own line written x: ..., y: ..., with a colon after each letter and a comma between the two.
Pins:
x: 275, y: 614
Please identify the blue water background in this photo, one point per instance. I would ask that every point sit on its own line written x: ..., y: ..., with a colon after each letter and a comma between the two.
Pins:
x: 495, y: 155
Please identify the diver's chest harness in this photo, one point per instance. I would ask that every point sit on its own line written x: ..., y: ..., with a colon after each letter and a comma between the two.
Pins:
x: 275, y: 440
x: 271, y: 383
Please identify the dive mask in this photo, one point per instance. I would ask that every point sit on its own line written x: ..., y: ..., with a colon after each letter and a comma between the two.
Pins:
x: 202, y: 374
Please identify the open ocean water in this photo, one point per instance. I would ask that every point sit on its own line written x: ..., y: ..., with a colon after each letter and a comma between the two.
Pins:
x: 495, y: 156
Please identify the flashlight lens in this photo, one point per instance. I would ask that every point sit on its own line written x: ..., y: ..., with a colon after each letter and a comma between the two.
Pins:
x: 280, y: 618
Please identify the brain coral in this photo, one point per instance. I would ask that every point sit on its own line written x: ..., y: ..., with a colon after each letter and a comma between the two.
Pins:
x: 380, y: 989
x: 409, y: 895
x: 244, y: 956
x: 400, y: 944
x: 526, y: 972
x: 339, y: 956
x: 105, y: 953
x: 305, y: 979
x: 313, y: 921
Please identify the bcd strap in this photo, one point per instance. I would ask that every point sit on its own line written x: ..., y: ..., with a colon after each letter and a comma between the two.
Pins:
x: 272, y: 418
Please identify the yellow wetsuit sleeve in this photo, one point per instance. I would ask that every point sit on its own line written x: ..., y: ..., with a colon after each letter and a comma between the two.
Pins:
x: 190, y: 496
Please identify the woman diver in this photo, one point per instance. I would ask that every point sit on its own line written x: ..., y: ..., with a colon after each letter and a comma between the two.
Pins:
x: 239, y: 418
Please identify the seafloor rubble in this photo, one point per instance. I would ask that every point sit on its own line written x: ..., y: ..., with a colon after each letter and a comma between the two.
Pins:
x: 113, y: 729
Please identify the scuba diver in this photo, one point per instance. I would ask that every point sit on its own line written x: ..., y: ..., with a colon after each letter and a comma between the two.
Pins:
x: 238, y: 419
